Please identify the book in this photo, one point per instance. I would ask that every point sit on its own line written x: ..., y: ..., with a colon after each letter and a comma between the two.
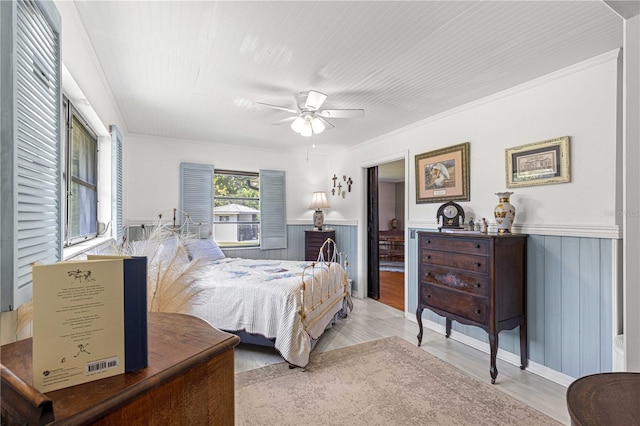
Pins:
x: 89, y: 320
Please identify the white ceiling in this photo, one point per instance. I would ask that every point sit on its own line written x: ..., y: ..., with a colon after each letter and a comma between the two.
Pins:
x: 192, y: 70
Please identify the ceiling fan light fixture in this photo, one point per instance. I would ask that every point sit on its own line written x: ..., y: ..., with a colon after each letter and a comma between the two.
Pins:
x: 298, y: 124
x: 307, y: 129
x: 317, y: 125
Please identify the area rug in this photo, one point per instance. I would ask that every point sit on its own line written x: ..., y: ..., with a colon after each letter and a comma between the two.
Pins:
x: 388, y: 266
x: 384, y: 382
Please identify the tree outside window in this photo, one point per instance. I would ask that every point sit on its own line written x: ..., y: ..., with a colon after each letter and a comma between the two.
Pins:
x: 236, y: 208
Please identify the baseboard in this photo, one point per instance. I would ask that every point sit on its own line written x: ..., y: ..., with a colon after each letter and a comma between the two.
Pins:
x: 533, y: 367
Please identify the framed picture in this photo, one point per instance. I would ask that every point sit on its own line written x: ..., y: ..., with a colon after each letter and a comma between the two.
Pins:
x: 539, y: 163
x: 443, y: 175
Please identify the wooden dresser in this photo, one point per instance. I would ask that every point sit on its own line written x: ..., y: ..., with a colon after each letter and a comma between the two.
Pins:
x: 313, y: 240
x: 391, y: 246
x: 475, y: 279
x: 189, y: 380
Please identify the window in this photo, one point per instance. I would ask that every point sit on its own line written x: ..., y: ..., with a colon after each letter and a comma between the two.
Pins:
x: 236, y: 208
x: 80, y: 177
x: 261, y: 194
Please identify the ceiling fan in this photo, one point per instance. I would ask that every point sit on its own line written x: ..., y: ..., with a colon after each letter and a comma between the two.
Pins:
x: 309, y: 119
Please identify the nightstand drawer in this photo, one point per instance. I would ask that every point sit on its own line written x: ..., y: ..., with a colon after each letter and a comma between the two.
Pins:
x: 480, y: 247
x: 467, y: 306
x: 459, y: 280
x: 313, y: 240
x: 468, y: 262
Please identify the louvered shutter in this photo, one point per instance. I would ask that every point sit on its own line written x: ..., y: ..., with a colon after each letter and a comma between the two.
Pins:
x: 33, y: 172
x: 116, y: 183
x: 273, y: 210
x: 196, y: 197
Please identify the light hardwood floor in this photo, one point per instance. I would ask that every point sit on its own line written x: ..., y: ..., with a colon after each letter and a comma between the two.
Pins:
x: 371, y: 320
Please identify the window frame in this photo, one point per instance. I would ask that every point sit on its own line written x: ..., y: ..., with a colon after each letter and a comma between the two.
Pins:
x: 239, y: 223
x: 69, y: 112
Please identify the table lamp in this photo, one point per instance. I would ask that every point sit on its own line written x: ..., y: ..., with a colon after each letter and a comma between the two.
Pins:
x: 319, y: 201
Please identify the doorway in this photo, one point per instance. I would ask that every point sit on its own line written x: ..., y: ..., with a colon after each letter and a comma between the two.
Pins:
x: 385, y: 216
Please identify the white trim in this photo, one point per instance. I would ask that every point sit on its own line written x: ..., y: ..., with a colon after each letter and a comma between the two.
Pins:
x: 148, y: 221
x: 388, y: 158
x: 362, y: 240
x: 83, y: 247
x: 532, y: 367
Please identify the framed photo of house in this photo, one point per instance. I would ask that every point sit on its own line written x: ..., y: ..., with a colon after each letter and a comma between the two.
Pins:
x: 443, y: 175
x: 539, y: 163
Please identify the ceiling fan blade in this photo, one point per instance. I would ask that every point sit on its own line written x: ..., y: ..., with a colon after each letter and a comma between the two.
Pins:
x: 285, y: 120
x: 327, y: 124
x: 314, y: 100
x: 291, y: 110
x: 341, y: 113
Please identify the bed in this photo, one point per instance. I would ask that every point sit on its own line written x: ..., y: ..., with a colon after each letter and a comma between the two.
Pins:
x: 282, y: 303
x: 289, y: 303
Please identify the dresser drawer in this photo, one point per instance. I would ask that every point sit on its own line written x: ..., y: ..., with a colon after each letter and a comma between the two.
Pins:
x: 467, y: 306
x: 468, y: 262
x: 460, y: 280
x: 458, y: 245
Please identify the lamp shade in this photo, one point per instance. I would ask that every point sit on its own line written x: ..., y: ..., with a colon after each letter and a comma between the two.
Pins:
x: 319, y: 201
x: 307, y: 124
x: 307, y: 130
x: 297, y: 124
x: 317, y: 125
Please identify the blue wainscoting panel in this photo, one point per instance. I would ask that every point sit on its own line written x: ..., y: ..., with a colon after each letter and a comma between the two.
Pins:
x: 571, y: 313
x: 606, y: 306
x: 569, y: 304
x: 346, y: 240
x: 553, y: 302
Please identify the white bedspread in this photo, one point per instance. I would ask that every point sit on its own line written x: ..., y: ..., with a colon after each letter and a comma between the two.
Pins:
x: 263, y: 297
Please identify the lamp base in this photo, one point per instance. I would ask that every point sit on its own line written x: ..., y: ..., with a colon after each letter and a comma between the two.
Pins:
x: 318, y: 219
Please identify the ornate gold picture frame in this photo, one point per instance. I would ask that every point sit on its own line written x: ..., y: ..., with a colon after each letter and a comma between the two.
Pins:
x: 539, y: 163
x: 443, y: 175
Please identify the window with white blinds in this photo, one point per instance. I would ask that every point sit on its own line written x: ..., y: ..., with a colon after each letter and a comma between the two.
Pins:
x: 116, y: 183
x: 197, y: 194
x: 31, y: 161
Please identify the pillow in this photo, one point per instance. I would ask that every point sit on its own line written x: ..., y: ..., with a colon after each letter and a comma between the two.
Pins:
x: 172, y: 246
x: 205, y: 249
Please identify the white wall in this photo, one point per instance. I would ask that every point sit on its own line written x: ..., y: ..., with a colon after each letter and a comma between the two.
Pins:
x: 579, y: 102
x: 84, y: 85
x: 152, y: 167
x: 631, y: 207
x: 387, y: 204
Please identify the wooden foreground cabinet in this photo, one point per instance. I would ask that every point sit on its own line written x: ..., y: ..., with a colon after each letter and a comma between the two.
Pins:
x: 189, y: 380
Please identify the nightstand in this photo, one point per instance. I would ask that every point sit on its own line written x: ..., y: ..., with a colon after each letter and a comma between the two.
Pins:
x: 313, y: 240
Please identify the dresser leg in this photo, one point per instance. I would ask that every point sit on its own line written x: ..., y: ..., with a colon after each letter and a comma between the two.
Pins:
x: 523, y: 346
x: 419, y: 318
x: 447, y: 327
x: 493, y: 343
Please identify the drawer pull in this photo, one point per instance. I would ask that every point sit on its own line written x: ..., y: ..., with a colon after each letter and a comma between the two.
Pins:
x: 477, y: 311
x: 478, y: 264
x: 428, y: 296
x: 477, y: 246
x: 428, y: 256
x: 428, y: 274
x: 428, y: 241
x: 477, y: 285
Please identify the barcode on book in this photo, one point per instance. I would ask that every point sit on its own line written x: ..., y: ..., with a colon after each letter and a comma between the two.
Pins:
x: 103, y: 364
